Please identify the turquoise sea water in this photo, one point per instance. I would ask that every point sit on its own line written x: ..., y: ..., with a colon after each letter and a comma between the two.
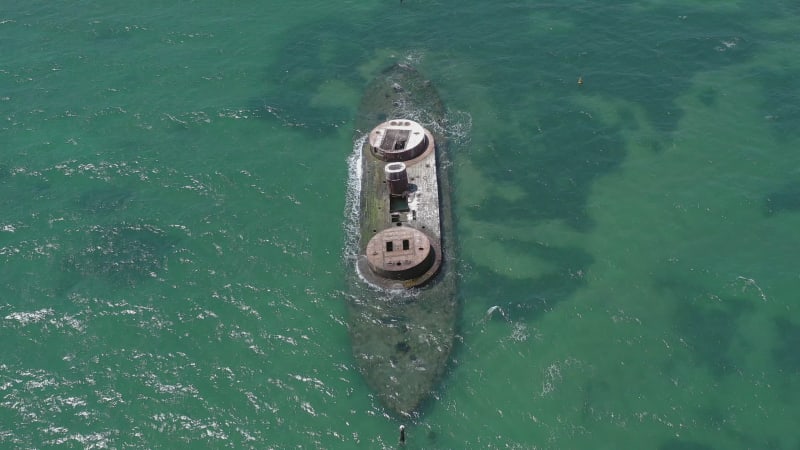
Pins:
x: 172, y: 222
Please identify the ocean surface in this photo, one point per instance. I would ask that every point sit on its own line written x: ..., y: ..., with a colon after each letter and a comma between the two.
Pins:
x: 173, y: 180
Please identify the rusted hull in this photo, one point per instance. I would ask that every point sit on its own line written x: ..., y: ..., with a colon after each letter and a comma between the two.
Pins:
x: 402, y: 338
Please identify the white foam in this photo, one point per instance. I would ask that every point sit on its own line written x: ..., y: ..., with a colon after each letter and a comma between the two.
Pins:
x: 353, y: 202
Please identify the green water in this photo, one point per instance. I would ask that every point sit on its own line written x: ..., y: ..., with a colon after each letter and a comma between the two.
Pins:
x: 172, y: 223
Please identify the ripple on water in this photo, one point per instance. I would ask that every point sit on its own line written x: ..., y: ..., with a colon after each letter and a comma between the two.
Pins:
x: 104, y: 200
x: 125, y: 253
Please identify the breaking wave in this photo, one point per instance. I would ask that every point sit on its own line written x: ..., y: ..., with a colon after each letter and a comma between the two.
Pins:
x: 353, y: 203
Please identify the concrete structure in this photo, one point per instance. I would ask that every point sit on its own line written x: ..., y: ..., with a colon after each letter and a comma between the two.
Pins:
x: 398, y: 140
x: 397, y: 177
x: 402, y: 320
x: 400, y: 253
x: 406, y: 197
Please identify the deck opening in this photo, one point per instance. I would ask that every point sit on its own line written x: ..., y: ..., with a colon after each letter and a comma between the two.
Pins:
x: 395, y: 139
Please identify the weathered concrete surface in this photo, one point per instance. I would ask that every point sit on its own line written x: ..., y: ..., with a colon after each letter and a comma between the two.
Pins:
x: 419, y: 210
x: 400, y: 253
x: 402, y: 339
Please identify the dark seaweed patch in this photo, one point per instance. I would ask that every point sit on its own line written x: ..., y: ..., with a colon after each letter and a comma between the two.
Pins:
x: 787, y: 198
x: 303, y: 66
x: 526, y: 298
x: 781, y: 106
x: 786, y: 353
x: 597, y: 399
x: 708, y: 97
x: 682, y: 444
x: 124, y: 253
x: 562, y: 164
x: 708, y: 324
x: 104, y: 200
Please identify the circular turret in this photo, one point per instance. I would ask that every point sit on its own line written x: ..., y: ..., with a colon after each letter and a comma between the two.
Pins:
x: 397, y: 178
x: 398, y: 140
x: 400, y: 253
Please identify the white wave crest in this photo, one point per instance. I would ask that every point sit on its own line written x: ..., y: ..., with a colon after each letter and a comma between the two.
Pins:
x: 353, y: 203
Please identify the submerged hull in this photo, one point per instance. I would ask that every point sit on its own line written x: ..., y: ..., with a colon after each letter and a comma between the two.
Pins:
x: 402, y: 330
